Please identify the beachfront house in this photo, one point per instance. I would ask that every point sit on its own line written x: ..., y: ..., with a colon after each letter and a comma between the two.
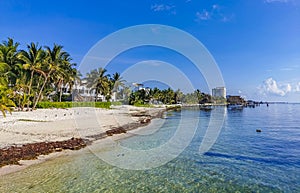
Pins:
x: 80, y: 92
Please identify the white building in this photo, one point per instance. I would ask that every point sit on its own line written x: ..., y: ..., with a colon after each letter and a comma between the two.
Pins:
x: 219, y: 92
x: 83, y: 93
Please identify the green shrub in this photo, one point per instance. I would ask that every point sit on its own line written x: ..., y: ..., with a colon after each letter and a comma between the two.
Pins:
x: 142, y: 105
x: 116, y: 103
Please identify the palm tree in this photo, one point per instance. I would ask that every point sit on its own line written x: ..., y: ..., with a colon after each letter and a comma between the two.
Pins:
x: 9, y: 69
x: 20, y: 91
x: 4, y: 68
x: 178, y: 96
x: 169, y: 96
x: 98, y: 81
x: 53, y: 62
x: 198, y: 95
x: 124, y: 94
x: 33, y: 60
x: 8, y: 60
x: 72, y: 76
x: 5, y: 97
x: 65, y: 75
x: 116, y: 82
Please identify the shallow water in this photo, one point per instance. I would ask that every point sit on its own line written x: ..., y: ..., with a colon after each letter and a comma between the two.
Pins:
x: 240, y: 160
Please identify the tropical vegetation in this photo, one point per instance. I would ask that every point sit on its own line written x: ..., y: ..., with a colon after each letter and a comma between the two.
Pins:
x: 38, y: 76
x: 104, y: 84
x: 30, y: 76
x: 169, y: 96
x: 40, y: 73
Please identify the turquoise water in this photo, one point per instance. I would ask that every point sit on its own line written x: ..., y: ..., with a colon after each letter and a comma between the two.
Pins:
x: 241, y: 160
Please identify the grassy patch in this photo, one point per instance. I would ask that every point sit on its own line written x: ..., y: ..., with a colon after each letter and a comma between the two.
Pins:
x: 116, y: 103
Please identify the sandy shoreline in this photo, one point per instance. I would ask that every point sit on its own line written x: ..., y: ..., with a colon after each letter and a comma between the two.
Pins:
x: 50, y: 125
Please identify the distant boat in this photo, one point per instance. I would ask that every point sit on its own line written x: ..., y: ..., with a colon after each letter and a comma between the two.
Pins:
x: 235, y: 107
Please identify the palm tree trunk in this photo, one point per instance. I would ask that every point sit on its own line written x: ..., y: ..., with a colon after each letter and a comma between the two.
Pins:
x: 29, y: 88
x: 60, y: 92
x: 37, y: 87
x: 40, y: 93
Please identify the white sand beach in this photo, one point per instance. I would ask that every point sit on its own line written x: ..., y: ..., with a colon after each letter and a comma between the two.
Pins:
x: 46, y: 125
x: 61, y: 124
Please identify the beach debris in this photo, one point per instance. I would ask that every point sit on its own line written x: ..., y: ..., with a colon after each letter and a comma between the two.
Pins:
x: 118, y: 130
x: 146, y: 120
x: 13, y: 154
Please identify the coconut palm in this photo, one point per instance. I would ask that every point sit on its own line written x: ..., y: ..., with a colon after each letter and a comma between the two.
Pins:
x: 33, y: 59
x: 8, y: 60
x: 8, y: 72
x: 5, y: 97
x: 52, y: 63
x: 116, y: 83
x: 66, y: 75
x: 71, y: 77
x: 98, y: 81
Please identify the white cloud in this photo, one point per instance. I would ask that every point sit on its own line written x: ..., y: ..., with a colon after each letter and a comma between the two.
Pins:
x: 271, y: 87
x: 163, y: 7
x: 204, y: 15
x: 215, y: 12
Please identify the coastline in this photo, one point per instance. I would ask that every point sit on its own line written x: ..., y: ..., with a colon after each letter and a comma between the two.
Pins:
x: 114, y: 123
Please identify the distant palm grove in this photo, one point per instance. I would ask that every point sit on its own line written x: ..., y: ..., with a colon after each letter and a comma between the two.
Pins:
x: 40, y: 73
x: 32, y: 75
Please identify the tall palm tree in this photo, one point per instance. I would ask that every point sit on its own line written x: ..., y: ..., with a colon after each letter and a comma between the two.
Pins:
x: 33, y: 59
x: 9, y: 69
x: 5, y: 101
x: 53, y: 62
x: 65, y: 75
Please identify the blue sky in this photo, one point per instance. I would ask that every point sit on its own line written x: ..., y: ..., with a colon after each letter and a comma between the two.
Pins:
x: 256, y: 43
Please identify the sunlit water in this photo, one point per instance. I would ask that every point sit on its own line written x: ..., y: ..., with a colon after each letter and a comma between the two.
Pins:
x: 241, y: 160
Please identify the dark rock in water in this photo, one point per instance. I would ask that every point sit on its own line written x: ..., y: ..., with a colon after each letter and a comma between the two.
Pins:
x: 258, y: 130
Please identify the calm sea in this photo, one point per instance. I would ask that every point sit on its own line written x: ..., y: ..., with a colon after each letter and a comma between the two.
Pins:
x: 241, y: 160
